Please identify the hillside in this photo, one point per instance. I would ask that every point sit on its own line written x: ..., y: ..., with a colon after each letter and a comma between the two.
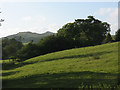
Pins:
x: 28, y: 36
x: 93, y: 67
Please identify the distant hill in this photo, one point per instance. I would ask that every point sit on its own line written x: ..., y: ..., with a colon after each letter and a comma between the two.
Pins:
x: 28, y: 36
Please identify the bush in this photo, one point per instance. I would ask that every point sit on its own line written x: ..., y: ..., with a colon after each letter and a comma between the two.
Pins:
x: 28, y: 51
x: 53, y: 43
x: 10, y: 47
x: 117, y: 35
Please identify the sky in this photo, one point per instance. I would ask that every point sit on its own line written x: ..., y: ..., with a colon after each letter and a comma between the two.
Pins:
x: 40, y: 17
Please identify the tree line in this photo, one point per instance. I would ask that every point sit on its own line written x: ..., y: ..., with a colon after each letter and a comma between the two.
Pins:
x: 80, y: 33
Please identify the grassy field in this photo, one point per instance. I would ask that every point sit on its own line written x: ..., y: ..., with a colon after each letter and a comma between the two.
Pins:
x: 89, y: 67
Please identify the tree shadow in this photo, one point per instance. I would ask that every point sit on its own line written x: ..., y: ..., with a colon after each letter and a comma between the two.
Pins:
x: 78, y: 56
x: 9, y: 73
x: 83, y: 79
x: 9, y: 66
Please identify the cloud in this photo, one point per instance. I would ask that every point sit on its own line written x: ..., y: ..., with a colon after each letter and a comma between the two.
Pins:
x: 110, y: 15
x: 28, y: 18
x: 53, y: 27
x: 104, y: 11
x: 50, y: 27
x: 36, y: 18
x: 10, y: 31
x: 34, y: 23
x: 37, y: 29
x: 43, y: 18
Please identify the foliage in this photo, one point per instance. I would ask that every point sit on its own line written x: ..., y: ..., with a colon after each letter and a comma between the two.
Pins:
x: 117, y: 35
x: 10, y: 47
x: 53, y: 43
x: 28, y: 51
x: 46, y: 45
x: 89, y: 31
x: 108, y: 38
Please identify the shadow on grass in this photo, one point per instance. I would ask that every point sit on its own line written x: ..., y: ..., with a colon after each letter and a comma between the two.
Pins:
x: 79, y: 56
x: 9, y: 73
x: 8, y: 66
x: 85, y: 79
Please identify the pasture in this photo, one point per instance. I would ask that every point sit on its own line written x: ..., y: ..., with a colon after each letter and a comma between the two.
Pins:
x: 88, y: 67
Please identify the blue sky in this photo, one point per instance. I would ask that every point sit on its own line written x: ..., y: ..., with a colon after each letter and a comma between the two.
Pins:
x: 50, y: 16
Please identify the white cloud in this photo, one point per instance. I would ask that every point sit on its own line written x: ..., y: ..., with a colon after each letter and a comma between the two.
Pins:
x: 33, y: 23
x: 43, y: 18
x: 37, y: 29
x: 110, y: 15
x: 53, y: 27
x: 104, y: 11
x: 10, y: 31
x: 38, y: 19
x: 27, y: 18
x: 41, y: 29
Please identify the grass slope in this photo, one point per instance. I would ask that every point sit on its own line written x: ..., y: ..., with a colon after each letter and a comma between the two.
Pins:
x: 95, y: 66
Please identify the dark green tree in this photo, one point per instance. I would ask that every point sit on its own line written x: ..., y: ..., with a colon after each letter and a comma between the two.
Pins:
x: 85, y: 32
x: 10, y: 47
x: 27, y: 51
x: 117, y: 35
x: 69, y: 30
x: 52, y: 43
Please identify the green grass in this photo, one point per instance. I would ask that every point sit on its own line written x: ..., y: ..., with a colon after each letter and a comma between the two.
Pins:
x: 89, y: 67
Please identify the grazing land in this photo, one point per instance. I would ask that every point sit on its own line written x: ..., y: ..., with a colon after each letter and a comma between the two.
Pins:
x: 88, y: 67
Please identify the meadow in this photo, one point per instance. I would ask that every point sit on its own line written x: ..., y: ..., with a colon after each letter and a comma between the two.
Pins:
x: 87, y: 67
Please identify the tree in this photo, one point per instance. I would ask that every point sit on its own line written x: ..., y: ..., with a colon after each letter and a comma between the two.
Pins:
x: 69, y: 30
x: 108, y: 38
x: 10, y: 47
x: 85, y: 32
x: 27, y: 51
x: 52, y: 43
x: 117, y: 35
